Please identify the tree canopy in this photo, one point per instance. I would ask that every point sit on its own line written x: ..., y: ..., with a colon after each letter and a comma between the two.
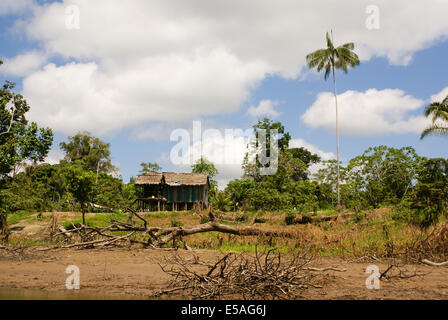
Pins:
x: 94, y: 152
x: 20, y: 140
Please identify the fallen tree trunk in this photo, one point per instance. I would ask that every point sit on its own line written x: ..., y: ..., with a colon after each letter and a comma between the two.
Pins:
x: 303, y: 218
x: 171, y: 233
x: 157, y: 236
x: 435, y: 264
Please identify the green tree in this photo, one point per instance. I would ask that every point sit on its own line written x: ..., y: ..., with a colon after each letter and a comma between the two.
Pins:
x: 251, y: 164
x: 384, y: 175
x: 109, y: 191
x: 19, y: 140
x: 221, y: 201
x: 329, y: 59
x: 81, y: 184
x: 238, y: 191
x: 202, y: 165
x: 439, y: 113
x: 431, y: 192
x: 149, y: 167
x: 94, y: 152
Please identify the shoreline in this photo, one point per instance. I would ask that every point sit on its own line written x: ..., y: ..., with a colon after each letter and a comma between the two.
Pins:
x: 131, y: 274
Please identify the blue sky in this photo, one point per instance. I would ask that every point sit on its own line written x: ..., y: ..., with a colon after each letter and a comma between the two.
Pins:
x: 133, y: 72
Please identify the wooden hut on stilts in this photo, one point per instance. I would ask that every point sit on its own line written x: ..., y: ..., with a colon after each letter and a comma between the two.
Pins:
x: 172, y: 191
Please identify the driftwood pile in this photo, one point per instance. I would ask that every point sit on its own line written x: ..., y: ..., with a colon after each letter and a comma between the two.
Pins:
x: 261, y: 276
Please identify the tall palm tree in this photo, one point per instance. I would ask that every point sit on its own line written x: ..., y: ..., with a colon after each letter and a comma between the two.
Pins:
x: 331, y: 59
x: 439, y: 111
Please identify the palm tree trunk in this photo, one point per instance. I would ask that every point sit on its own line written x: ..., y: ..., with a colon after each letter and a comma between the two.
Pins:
x: 337, y: 137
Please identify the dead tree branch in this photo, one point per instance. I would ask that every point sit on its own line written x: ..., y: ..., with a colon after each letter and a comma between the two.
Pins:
x: 264, y: 275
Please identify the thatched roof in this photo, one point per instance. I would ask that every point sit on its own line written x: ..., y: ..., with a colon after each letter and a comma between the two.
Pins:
x: 173, y: 179
x: 149, y: 178
x: 185, y: 179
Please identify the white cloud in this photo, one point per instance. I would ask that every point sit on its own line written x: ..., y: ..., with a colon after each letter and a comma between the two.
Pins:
x: 83, y: 96
x: 23, y: 64
x: 54, y: 156
x: 374, y: 112
x: 440, y: 96
x: 297, y: 143
x: 314, y: 168
x: 140, y: 61
x: 227, y: 155
x: 264, y: 108
x: 226, y: 150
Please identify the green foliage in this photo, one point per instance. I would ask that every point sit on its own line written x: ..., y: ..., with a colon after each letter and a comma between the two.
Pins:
x: 431, y: 192
x: 267, y: 198
x: 358, y: 216
x: 290, y: 217
x: 439, y: 114
x: 109, y: 191
x: 382, y: 174
x: 23, y: 193
x: 175, y: 223
x: 238, y: 191
x: 80, y: 183
x: 331, y: 58
x: 221, y: 201
x: 202, y: 165
x: 251, y: 164
x: 18, y: 216
x: 19, y: 140
x: 94, y: 153
x: 149, y: 167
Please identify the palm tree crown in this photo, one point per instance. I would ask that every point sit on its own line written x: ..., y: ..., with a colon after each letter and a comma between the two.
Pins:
x: 439, y: 111
x: 341, y: 57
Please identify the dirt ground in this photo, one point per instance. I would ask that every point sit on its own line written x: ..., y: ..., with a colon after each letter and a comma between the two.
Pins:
x: 120, y: 273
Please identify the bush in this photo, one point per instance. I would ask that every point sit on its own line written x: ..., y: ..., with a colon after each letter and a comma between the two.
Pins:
x: 175, y: 223
x: 358, y: 216
x: 290, y: 217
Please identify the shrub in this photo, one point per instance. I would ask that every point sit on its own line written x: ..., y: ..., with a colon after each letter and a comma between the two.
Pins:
x: 290, y: 217
x: 175, y: 223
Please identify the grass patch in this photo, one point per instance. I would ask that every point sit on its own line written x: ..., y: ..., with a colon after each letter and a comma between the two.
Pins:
x: 98, y: 220
x: 19, y: 216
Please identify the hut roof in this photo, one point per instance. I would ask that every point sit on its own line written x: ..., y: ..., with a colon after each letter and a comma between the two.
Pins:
x: 185, y: 179
x: 173, y: 179
x: 149, y: 178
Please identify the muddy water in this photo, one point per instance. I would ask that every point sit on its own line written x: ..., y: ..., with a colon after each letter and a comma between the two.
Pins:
x: 29, y: 294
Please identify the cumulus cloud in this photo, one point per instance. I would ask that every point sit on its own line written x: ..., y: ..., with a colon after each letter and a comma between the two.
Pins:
x: 225, y: 149
x: 140, y: 61
x: 314, y: 168
x: 369, y: 113
x: 23, y: 64
x: 264, y: 108
x: 297, y: 143
x: 54, y: 156
x: 84, y: 96
x: 438, y: 97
